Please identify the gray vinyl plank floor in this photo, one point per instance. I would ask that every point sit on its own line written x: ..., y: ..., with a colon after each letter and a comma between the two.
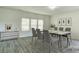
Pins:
x: 25, y: 45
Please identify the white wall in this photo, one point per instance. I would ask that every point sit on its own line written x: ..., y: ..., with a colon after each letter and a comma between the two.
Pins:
x: 75, y: 22
x: 11, y: 16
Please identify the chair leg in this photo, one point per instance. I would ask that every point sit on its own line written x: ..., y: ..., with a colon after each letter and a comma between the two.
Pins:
x: 32, y: 39
x: 58, y: 43
x: 70, y: 38
x: 35, y: 41
x: 43, y: 45
x: 32, y: 44
x: 49, y: 47
x: 68, y: 42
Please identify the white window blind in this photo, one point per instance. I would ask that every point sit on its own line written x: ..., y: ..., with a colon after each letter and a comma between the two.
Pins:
x: 25, y: 24
x: 34, y: 23
x: 40, y: 24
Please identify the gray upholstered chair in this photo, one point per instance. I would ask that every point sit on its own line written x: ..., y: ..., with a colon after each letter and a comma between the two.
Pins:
x: 34, y: 37
x: 68, y: 36
x: 47, y: 39
x: 39, y: 40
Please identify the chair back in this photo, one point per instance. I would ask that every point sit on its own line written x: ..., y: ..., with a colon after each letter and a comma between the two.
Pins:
x: 34, y: 32
x: 61, y: 28
x: 39, y: 34
x: 68, y: 29
x: 55, y: 28
x: 46, y: 36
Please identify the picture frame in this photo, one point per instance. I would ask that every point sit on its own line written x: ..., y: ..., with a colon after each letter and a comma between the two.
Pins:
x: 8, y: 27
x: 59, y: 21
x: 69, y: 21
x: 63, y: 21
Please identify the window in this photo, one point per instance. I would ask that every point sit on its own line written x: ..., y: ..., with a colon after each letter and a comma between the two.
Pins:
x: 25, y: 24
x: 40, y: 24
x: 34, y: 23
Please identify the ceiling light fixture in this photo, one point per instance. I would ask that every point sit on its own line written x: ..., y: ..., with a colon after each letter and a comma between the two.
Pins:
x: 52, y: 7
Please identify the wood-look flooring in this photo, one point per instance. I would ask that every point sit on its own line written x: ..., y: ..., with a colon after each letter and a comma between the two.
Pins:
x: 25, y: 45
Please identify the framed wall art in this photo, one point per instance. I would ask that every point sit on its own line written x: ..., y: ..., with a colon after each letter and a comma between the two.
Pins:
x: 63, y: 21
x: 69, y: 21
x: 8, y: 27
x: 60, y: 22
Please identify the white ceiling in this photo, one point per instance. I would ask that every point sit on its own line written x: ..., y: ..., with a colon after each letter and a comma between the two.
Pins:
x: 45, y: 10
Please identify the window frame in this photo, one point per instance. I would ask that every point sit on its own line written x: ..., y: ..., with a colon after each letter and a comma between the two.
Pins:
x: 30, y: 26
x: 31, y: 23
x: 43, y: 24
x: 26, y: 22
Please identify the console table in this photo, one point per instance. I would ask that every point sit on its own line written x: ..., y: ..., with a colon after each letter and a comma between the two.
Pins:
x: 9, y: 35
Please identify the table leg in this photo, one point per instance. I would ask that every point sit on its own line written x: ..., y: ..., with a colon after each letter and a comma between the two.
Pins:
x: 60, y: 38
x: 60, y: 43
x: 68, y: 43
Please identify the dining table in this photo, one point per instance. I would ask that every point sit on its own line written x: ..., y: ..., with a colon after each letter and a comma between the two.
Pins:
x: 60, y: 34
